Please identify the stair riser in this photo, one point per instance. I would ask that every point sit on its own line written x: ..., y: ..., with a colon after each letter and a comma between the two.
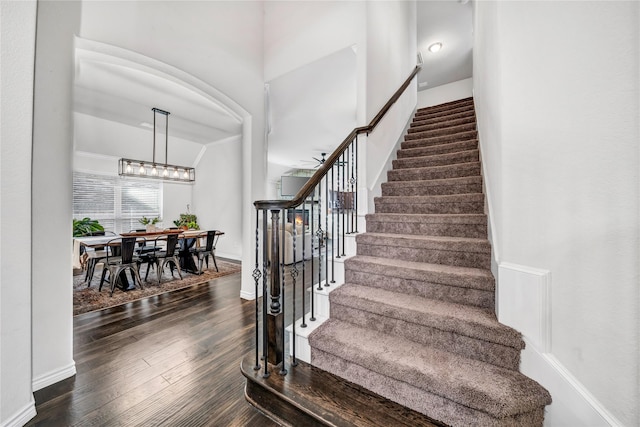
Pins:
x: 449, y: 106
x: 428, y: 229
x: 444, y: 115
x: 419, y: 174
x: 424, y: 288
x: 433, y: 256
x: 420, y: 127
x: 452, y: 147
x: 496, y: 354
x: 434, y: 406
x: 419, y: 142
x: 424, y: 120
x: 397, y: 189
x: 440, y: 132
x: 431, y: 208
x: 438, y: 160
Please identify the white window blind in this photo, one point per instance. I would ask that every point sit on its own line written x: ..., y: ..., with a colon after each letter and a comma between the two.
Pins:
x: 116, y: 203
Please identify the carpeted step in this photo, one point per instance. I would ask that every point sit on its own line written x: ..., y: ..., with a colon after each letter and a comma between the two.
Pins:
x: 433, y: 187
x: 456, y: 114
x: 437, y: 159
x: 471, y: 332
x: 462, y: 285
x: 455, y: 225
x: 458, y: 251
x: 450, y: 204
x: 463, y: 108
x: 445, y: 386
x: 435, y: 172
x: 449, y: 147
x: 436, y: 140
x: 425, y: 127
x: 440, y: 131
x: 445, y: 107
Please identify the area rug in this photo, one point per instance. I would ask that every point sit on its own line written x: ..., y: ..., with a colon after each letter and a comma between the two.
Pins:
x: 89, y: 299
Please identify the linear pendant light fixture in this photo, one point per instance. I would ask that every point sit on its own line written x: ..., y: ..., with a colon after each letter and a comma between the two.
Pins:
x: 164, y: 171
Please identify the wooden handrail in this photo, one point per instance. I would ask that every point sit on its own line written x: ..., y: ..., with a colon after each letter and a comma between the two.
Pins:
x: 315, y: 179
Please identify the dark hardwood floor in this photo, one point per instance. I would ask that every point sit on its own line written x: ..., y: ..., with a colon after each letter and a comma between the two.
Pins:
x: 172, y: 360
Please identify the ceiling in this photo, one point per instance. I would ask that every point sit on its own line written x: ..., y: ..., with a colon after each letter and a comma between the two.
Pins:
x: 124, y: 93
x: 449, y: 22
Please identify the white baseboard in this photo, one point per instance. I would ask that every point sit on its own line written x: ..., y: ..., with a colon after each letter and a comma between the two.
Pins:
x: 573, y: 405
x: 247, y: 295
x: 22, y: 416
x: 53, y: 377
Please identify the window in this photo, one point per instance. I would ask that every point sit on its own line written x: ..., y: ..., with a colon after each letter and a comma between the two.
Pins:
x: 116, y: 203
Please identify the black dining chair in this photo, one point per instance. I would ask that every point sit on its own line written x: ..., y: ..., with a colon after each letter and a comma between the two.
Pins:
x: 95, y: 256
x: 167, y: 256
x: 209, y: 249
x: 117, y: 265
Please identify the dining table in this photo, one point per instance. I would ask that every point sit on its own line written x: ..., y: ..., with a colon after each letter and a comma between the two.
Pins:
x: 188, y: 238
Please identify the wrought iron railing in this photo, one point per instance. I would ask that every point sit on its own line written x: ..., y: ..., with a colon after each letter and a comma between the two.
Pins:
x: 329, y: 198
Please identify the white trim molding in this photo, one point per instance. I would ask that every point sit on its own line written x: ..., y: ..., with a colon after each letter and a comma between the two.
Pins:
x: 53, y: 377
x: 22, y: 416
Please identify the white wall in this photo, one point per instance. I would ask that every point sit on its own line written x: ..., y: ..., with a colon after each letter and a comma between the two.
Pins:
x: 558, y: 113
x: 391, y: 57
x: 52, y: 331
x: 445, y: 93
x: 17, y: 44
x: 221, y: 166
x: 298, y: 33
x: 220, y: 43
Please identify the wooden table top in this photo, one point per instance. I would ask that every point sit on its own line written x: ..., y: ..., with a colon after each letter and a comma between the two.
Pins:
x: 97, y: 241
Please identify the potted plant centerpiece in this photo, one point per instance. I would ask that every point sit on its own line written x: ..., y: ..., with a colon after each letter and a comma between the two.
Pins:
x: 149, y: 223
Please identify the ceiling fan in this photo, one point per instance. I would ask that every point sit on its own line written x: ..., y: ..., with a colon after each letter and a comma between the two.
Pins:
x: 320, y: 161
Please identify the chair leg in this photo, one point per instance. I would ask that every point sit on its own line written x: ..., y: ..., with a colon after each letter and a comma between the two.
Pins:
x: 114, y: 275
x: 87, y: 274
x: 104, y: 274
x: 176, y: 262
x: 134, y: 269
x: 214, y: 261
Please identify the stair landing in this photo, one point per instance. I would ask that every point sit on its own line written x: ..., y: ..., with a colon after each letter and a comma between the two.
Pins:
x: 309, y: 396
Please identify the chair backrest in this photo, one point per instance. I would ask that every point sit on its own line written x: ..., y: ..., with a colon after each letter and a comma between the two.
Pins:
x: 172, y: 241
x: 211, y: 237
x: 127, y: 248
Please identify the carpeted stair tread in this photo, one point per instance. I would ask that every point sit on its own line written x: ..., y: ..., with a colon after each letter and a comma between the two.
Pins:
x: 465, y: 156
x: 445, y: 114
x: 463, y: 113
x: 417, y: 140
x: 461, y: 285
x: 434, y: 224
x: 451, y: 130
x: 445, y: 106
x: 416, y: 127
x: 460, y: 251
x: 448, y: 204
x: 450, y: 198
x: 474, y: 322
x: 484, y: 387
x: 440, y: 242
x: 450, y: 275
x: 462, y: 185
x: 447, y: 147
x: 457, y: 170
x: 467, y: 218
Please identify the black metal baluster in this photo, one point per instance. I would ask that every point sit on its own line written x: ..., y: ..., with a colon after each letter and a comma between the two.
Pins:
x: 355, y: 181
x: 347, y: 178
x: 339, y: 205
x: 351, y: 181
x: 313, y: 201
x: 304, y: 263
x: 265, y: 297
x: 343, y: 200
x: 326, y: 228
x: 283, y: 371
x: 333, y: 226
x: 294, y: 274
x: 256, y: 278
x: 320, y: 234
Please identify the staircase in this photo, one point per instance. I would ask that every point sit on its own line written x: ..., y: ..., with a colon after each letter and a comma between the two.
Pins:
x: 414, y: 321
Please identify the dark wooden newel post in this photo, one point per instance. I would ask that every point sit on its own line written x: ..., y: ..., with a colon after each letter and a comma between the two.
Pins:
x: 274, y: 319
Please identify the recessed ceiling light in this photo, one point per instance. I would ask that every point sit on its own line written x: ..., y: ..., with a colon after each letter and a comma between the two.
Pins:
x: 435, y: 47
